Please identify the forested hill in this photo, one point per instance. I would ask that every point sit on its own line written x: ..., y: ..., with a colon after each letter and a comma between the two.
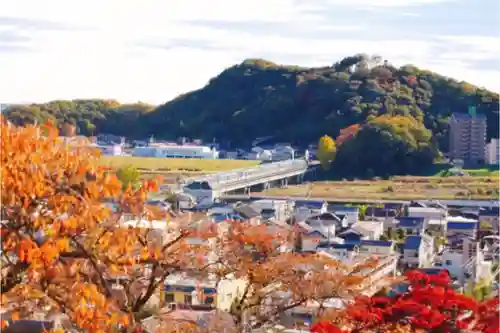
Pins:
x: 259, y: 98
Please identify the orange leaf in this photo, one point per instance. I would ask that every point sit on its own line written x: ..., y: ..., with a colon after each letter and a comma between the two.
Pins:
x: 15, y: 316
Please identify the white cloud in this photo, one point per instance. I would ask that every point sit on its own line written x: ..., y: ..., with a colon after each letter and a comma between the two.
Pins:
x: 101, y: 57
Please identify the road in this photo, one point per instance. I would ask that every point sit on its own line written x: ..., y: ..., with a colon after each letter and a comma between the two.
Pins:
x: 463, y: 203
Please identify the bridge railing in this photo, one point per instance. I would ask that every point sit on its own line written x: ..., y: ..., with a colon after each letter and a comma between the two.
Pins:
x: 263, y: 170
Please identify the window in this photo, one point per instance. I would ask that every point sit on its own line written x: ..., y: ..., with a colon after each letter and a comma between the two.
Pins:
x: 169, y: 298
x: 448, y: 262
x: 209, y: 300
x: 188, y: 299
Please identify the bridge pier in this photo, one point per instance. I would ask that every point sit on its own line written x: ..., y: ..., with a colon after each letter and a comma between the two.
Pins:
x: 247, y: 190
x: 267, y: 186
x: 284, y: 183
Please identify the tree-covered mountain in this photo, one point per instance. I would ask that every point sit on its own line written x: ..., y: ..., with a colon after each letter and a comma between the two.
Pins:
x: 259, y: 98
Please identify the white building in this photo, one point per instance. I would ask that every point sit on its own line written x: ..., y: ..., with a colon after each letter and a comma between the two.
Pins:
x: 273, y: 209
x: 493, y: 151
x: 418, y: 251
x: 110, y: 150
x: 428, y: 213
x: 351, y: 213
x: 171, y: 151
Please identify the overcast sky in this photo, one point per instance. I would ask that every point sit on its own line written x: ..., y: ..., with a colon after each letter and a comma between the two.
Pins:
x: 153, y: 50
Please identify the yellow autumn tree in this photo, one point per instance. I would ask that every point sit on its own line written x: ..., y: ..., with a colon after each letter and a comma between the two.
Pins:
x: 64, y: 250
x: 326, y: 151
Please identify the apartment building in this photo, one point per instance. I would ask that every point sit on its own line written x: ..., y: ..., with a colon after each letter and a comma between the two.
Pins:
x: 468, y: 137
x: 493, y: 151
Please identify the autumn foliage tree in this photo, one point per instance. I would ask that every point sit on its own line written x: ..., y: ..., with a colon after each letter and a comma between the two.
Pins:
x: 347, y: 134
x: 430, y: 306
x: 277, y: 279
x: 65, y: 250
x: 326, y: 151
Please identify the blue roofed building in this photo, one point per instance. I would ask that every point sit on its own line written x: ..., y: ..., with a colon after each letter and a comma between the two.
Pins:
x: 412, y: 225
x: 465, y: 229
x: 418, y: 251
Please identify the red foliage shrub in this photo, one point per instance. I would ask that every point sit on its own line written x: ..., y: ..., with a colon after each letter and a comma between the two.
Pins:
x: 430, y: 305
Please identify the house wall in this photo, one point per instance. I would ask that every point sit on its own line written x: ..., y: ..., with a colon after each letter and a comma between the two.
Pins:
x: 375, y: 250
x: 411, y: 257
x: 453, y: 261
x: 427, y: 213
x: 309, y: 243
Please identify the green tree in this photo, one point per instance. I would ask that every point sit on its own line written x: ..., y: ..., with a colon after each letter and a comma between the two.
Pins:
x: 128, y: 176
x: 326, y: 151
x: 387, y: 145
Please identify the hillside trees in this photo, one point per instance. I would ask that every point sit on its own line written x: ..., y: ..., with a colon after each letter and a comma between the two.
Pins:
x: 64, y: 250
x: 326, y: 151
x: 258, y: 98
x: 385, y: 146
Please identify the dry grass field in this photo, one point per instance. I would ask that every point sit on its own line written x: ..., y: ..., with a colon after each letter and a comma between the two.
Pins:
x: 398, y: 188
x: 174, y: 165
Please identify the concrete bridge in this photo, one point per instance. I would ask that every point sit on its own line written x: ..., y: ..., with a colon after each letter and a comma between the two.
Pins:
x: 216, y: 185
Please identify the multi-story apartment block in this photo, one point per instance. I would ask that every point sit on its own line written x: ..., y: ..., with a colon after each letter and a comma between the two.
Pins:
x: 468, y: 137
x: 493, y: 151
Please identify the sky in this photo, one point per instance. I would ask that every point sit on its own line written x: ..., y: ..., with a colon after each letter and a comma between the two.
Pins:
x: 154, y: 50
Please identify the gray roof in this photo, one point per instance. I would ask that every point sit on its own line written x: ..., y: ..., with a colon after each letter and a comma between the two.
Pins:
x: 247, y: 211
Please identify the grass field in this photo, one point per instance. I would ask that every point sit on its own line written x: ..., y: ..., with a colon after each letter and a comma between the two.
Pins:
x: 398, y: 188
x: 166, y: 165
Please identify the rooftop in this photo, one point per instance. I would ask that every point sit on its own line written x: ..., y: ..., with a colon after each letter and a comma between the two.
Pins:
x: 462, y: 225
x: 410, y: 222
x: 412, y: 242
x: 309, y: 203
x: 376, y: 243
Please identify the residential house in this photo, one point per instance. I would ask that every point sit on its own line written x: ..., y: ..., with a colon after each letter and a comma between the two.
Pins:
x: 461, y: 260
x: 376, y: 248
x: 375, y: 228
x: 411, y: 225
x: 342, y: 252
x: 310, y: 237
x: 427, y: 212
x: 351, y: 213
x: 188, y: 290
x: 459, y: 228
x: 362, y: 231
x: 354, y: 235
x: 340, y: 222
x: 379, y: 277
x: 305, y: 208
x: 490, y: 216
x: 384, y: 214
x: 418, y: 251
x: 274, y: 209
x: 248, y: 213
